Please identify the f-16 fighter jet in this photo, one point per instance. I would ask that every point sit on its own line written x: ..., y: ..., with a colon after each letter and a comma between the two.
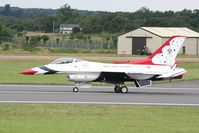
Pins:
x: 160, y: 65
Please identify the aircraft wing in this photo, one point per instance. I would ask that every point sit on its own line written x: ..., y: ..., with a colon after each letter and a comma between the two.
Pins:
x: 120, y: 77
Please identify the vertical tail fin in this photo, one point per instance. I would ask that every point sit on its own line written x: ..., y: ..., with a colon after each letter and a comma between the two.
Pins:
x: 167, y: 53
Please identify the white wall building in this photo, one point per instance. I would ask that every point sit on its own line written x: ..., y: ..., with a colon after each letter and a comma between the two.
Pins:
x: 67, y: 28
x: 152, y: 38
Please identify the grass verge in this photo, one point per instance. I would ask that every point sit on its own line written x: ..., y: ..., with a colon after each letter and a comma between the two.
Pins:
x: 40, y: 118
x: 9, y: 73
x: 192, y: 70
x: 61, y: 52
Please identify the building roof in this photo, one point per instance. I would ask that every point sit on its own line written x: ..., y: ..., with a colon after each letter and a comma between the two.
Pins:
x: 68, y: 25
x: 171, y: 31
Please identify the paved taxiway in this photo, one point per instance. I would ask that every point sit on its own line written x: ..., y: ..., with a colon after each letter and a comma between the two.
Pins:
x: 178, y: 93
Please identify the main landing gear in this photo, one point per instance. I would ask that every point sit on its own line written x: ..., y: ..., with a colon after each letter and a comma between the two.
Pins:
x: 120, y: 89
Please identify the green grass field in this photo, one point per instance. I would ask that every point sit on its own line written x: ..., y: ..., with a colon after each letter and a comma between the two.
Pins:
x: 192, y: 70
x: 70, y: 52
x: 61, y: 52
x: 9, y: 73
x: 43, y: 118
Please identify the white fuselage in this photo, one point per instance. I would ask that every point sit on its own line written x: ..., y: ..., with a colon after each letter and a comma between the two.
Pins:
x: 85, y: 69
x: 86, y: 66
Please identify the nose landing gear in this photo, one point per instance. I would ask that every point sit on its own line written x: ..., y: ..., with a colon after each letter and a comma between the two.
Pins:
x: 76, y: 89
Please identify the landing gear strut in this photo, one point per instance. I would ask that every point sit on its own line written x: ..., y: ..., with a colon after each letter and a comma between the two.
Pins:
x: 120, y: 89
x: 76, y: 89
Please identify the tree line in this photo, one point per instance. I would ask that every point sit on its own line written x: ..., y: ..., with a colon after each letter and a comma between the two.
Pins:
x: 13, y: 19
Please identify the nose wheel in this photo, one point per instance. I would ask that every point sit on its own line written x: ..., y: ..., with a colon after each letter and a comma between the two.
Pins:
x: 75, y: 89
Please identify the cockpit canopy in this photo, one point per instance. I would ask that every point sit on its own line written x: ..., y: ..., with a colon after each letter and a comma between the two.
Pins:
x: 65, y: 61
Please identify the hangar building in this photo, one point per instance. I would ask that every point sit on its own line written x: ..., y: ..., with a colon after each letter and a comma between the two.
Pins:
x: 152, y: 38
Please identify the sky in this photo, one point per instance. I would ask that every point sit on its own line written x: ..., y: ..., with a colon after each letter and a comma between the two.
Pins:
x: 107, y: 5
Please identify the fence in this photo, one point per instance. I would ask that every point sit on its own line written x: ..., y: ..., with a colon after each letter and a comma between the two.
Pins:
x: 61, y: 44
x: 12, y: 40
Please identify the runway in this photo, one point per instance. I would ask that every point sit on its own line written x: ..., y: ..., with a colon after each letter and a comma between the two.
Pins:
x: 169, y: 94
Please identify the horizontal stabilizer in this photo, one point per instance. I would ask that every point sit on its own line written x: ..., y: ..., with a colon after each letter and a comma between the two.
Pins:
x: 143, y: 83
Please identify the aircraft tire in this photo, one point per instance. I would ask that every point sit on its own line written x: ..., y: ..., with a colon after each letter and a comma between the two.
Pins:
x: 75, y: 89
x: 124, y: 89
x: 117, y: 89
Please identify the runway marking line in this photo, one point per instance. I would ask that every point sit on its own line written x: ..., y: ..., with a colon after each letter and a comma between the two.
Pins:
x: 102, y: 87
x: 102, y: 103
x: 51, y: 92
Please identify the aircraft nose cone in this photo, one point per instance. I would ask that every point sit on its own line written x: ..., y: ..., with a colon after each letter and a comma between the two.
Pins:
x: 28, y: 72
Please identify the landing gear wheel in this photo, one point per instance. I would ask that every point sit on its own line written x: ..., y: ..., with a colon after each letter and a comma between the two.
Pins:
x: 124, y: 89
x: 117, y: 89
x: 75, y: 89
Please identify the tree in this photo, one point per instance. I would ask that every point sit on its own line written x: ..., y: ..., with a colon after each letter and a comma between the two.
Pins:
x: 5, y: 31
x: 45, y: 38
x: 76, y: 30
x: 65, y: 13
x: 92, y: 21
x: 45, y: 23
x: 34, y: 40
x: 27, y: 39
x: 92, y: 24
x: 7, y: 10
